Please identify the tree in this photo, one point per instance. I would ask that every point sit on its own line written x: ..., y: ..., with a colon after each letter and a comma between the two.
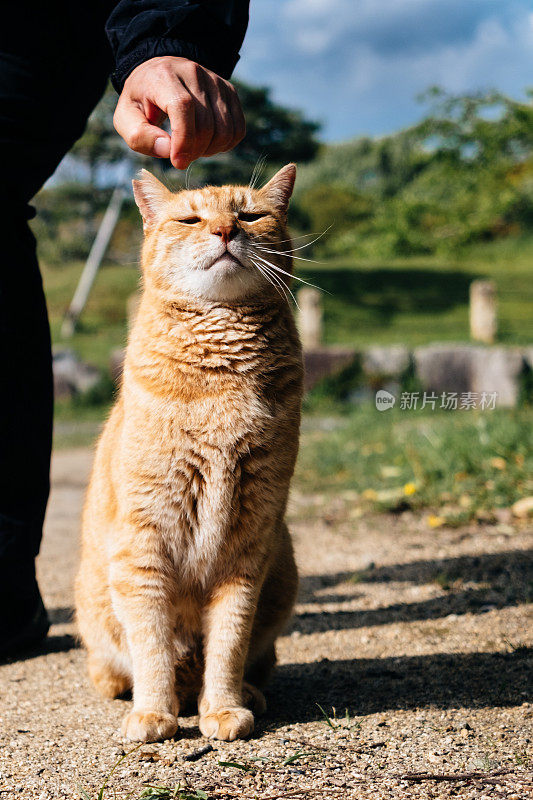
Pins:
x: 464, y: 174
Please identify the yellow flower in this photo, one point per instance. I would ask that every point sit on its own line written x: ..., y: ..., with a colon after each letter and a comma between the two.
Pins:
x: 370, y: 494
x: 409, y: 489
x: 436, y: 522
x: 498, y: 463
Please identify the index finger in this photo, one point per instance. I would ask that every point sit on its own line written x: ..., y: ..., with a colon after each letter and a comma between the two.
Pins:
x: 131, y: 123
x: 181, y: 114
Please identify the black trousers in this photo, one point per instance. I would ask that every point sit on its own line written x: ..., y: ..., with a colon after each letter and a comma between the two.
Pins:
x: 54, y: 63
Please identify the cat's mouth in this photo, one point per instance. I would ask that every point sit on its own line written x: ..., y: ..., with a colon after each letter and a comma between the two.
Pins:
x: 227, y: 262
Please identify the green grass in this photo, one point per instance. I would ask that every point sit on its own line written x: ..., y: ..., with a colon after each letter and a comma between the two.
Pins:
x: 458, y: 464
x: 423, y: 300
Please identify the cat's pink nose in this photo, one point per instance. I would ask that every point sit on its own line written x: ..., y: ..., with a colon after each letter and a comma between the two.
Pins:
x: 226, y: 232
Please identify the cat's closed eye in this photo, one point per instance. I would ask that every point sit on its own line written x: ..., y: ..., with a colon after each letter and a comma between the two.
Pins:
x: 248, y: 216
x: 189, y: 220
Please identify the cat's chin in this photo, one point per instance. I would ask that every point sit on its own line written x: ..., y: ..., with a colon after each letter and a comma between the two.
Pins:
x: 227, y: 264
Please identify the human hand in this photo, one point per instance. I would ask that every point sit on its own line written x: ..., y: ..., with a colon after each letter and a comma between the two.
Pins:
x: 203, y: 109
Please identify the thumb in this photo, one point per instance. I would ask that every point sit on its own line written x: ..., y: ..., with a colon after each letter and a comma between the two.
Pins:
x: 131, y: 123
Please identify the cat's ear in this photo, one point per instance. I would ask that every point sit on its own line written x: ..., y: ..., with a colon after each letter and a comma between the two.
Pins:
x: 151, y: 196
x: 279, y: 188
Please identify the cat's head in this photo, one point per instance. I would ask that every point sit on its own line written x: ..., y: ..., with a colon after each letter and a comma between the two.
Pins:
x: 216, y: 243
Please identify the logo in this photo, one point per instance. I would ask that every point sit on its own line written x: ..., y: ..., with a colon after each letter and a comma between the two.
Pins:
x: 384, y: 400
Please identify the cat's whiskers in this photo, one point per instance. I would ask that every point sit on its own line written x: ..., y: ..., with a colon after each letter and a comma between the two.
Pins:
x: 257, y: 170
x: 284, y: 272
x: 286, y: 253
x: 274, y: 279
x: 267, y: 266
x: 188, y: 176
x: 293, y: 249
x: 278, y: 284
x: 291, y: 239
x: 279, y: 289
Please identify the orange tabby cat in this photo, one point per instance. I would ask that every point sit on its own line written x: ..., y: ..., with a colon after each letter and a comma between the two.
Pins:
x: 187, y: 573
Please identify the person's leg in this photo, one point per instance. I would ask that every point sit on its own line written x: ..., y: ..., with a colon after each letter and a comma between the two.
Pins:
x: 25, y: 430
x: 49, y: 82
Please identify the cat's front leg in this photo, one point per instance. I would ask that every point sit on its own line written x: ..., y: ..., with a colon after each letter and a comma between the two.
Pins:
x: 142, y: 598
x: 227, y: 630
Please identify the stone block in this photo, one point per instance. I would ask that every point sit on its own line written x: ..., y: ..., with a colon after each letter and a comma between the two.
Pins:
x: 470, y: 368
x: 383, y: 361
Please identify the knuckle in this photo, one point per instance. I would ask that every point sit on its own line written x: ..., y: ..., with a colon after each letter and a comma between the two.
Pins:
x: 203, y: 141
x: 135, y: 138
x: 222, y: 88
x: 194, y: 69
x: 183, y: 102
x: 166, y: 68
x: 227, y: 143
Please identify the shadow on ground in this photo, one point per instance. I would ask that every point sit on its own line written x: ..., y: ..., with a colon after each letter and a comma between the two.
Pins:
x: 368, y: 686
x: 52, y: 644
x: 492, y: 581
x: 61, y: 615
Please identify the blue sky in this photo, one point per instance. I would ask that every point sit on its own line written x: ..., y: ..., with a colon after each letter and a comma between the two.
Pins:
x: 358, y: 65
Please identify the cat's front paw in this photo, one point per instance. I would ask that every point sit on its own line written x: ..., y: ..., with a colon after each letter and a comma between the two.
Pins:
x: 149, y: 726
x: 227, y: 723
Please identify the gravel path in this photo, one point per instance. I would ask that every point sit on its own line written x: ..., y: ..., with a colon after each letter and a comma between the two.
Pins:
x: 424, y: 636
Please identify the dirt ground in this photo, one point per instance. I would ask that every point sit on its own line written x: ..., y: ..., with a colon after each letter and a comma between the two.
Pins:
x: 415, y: 642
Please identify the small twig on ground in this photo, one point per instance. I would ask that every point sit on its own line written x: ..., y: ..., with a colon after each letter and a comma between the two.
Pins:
x: 197, y: 754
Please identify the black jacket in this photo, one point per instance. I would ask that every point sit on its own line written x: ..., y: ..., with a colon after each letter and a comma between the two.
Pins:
x: 209, y: 32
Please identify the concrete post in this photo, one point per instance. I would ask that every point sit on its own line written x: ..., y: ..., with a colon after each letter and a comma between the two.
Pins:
x: 483, y: 311
x: 310, y: 318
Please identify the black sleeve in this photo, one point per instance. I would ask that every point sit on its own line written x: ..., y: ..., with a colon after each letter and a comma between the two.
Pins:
x: 209, y: 32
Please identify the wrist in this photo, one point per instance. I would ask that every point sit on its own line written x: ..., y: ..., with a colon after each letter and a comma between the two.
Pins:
x: 218, y: 61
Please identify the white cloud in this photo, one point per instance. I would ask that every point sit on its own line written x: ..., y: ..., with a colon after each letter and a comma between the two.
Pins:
x: 359, y: 65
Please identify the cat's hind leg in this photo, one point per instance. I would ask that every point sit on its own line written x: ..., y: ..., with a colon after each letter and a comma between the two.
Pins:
x: 108, y: 660
x: 109, y: 680
x: 253, y: 698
